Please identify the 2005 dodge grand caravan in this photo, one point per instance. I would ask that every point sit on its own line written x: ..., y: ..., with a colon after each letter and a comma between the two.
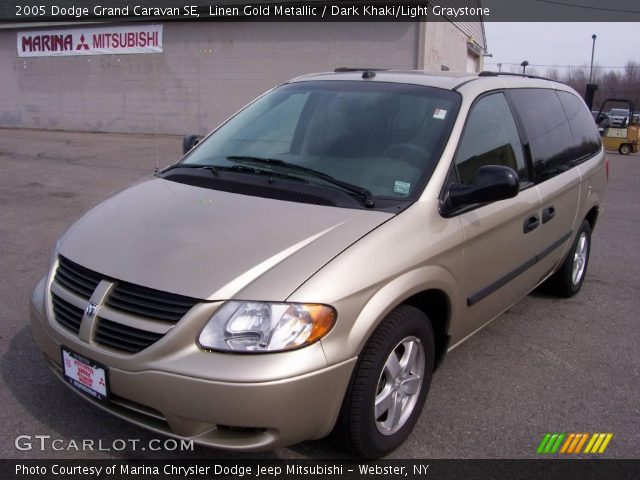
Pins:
x: 306, y: 266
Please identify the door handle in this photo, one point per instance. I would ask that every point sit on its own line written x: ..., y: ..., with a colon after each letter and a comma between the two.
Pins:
x: 548, y: 213
x: 531, y: 223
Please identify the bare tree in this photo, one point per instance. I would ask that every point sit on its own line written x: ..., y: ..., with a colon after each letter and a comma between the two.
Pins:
x: 612, y: 83
x: 623, y: 83
x: 554, y: 74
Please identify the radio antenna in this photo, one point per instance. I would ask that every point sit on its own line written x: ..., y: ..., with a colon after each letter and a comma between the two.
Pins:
x: 155, y: 112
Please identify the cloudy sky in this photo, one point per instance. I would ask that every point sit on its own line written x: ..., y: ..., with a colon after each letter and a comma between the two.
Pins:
x: 561, y: 44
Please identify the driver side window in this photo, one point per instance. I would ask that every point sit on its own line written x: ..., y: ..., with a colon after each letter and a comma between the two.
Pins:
x: 490, y: 138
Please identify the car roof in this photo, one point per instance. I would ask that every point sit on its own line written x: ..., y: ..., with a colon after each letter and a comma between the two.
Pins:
x: 483, y: 81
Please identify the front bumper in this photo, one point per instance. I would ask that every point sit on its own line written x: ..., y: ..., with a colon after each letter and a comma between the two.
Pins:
x: 279, y: 399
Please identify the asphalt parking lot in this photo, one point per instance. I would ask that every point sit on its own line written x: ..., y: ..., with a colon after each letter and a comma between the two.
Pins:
x: 546, y: 365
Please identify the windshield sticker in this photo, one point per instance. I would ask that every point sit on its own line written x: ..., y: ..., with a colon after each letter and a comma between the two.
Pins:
x: 439, y: 113
x: 401, y: 187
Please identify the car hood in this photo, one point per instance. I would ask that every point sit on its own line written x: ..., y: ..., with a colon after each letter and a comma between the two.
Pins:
x: 209, y: 244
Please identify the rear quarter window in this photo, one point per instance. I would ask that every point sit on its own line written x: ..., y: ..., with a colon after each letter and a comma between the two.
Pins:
x: 586, y: 139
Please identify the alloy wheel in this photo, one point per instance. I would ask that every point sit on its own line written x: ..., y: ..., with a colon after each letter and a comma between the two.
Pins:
x: 399, y: 385
x: 580, y: 258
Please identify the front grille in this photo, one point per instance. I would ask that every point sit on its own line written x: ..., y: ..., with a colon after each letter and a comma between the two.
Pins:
x: 67, y: 315
x: 149, y: 303
x: 126, y: 304
x: 123, y: 337
x: 76, y: 278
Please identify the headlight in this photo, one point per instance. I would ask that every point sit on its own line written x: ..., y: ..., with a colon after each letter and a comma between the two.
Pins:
x: 266, y: 327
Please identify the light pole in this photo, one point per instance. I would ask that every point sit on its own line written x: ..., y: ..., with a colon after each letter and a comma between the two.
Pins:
x: 524, y: 67
x: 593, y: 48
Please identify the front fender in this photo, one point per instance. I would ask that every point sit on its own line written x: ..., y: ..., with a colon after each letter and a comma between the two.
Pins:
x: 349, y: 338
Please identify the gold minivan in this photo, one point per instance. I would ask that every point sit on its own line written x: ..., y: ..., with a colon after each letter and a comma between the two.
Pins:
x: 305, y: 267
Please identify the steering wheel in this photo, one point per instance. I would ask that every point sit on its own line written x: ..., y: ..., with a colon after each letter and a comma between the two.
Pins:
x: 409, y: 153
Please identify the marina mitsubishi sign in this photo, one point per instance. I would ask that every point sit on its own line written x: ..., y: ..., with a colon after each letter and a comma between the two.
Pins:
x: 108, y: 40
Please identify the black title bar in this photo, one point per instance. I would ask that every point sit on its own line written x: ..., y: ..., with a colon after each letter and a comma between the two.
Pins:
x: 320, y: 469
x: 322, y: 10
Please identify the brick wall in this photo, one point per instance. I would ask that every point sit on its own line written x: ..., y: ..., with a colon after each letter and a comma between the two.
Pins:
x: 207, y: 71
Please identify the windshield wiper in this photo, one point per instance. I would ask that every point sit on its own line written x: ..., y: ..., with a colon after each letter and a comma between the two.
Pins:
x: 215, y: 169
x: 366, y: 195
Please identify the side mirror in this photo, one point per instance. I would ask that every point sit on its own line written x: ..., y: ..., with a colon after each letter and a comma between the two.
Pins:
x: 190, y: 141
x: 492, y: 183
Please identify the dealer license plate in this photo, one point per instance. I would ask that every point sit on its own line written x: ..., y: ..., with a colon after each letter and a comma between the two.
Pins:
x: 86, y: 375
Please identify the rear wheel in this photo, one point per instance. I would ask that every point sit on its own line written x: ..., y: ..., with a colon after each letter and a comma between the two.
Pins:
x: 567, y: 281
x: 389, y: 385
x: 625, y: 149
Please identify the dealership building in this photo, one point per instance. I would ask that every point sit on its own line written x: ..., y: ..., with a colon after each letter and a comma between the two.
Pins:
x: 181, y: 77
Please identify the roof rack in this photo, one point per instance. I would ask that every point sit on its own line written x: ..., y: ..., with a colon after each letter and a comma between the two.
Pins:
x: 357, y: 69
x: 487, y: 73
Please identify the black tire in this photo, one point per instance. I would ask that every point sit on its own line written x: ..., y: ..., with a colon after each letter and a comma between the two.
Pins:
x: 563, y: 283
x: 357, y: 428
x: 624, y: 149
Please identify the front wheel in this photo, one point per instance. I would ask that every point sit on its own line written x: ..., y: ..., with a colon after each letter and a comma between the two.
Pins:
x: 389, y: 385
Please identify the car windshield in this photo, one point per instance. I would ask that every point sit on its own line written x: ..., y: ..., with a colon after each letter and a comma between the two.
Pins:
x: 382, y: 138
x: 619, y: 112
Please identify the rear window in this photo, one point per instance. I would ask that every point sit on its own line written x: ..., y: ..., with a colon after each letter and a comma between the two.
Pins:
x: 547, y: 129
